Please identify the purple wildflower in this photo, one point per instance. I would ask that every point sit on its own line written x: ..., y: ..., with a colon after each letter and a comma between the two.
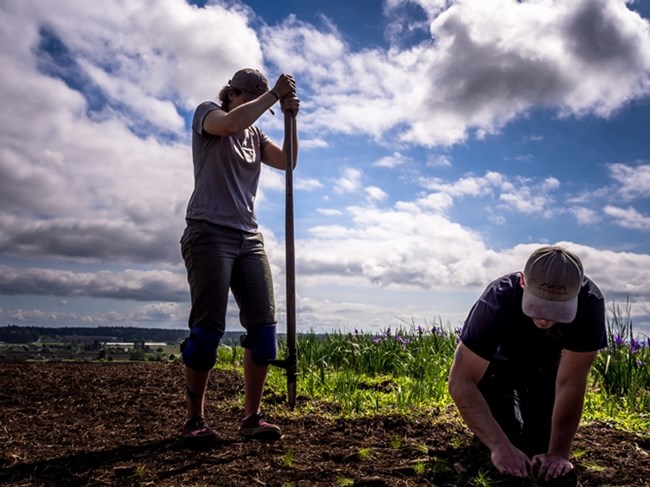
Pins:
x: 403, y: 341
x: 635, y: 346
x: 618, y: 341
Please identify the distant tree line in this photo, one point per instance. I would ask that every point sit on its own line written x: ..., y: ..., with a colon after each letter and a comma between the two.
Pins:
x: 30, y: 334
x: 18, y: 334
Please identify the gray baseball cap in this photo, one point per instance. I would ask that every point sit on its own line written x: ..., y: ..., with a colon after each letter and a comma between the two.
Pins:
x: 553, y: 278
x: 250, y: 81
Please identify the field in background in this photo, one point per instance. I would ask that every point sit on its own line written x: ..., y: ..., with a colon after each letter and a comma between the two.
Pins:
x: 359, y: 373
x: 372, y: 410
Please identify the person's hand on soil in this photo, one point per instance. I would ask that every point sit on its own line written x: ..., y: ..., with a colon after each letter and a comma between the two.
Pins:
x: 551, y: 465
x: 511, y: 461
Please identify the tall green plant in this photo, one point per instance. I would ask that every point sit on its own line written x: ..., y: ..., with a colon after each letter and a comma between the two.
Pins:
x: 406, y: 368
x: 399, y: 369
x: 623, y: 370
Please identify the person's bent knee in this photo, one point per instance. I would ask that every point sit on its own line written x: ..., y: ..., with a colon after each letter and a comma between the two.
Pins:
x: 262, y: 342
x: 199, y: 350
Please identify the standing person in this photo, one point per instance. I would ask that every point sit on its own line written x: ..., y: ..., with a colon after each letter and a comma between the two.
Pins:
x: 222, y: 247
x: 519, y: 374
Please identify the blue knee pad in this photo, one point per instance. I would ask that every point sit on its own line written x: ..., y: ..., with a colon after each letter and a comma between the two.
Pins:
x: 200, y: 348
x: 262, y: 342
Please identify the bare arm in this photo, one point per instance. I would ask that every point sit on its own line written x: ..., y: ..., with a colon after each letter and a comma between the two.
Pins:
x: 569, y: 398
x: 275, y: 156
x: 218, y: 122
x: 466, y: 371
x: 570, y: 387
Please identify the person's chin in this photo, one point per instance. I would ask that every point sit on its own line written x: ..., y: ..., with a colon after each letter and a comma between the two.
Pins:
x: 543, y: 326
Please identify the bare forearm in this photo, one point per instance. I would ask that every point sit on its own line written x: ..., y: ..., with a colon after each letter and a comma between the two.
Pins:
x: 243, y: 116
x: 566, y: 418
x: 466, y: 372
x: 277, y: 157
x: 477, y: 415
x: 570, y: 390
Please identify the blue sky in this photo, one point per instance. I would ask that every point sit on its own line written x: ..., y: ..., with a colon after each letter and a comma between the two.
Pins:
x: 440, y: 143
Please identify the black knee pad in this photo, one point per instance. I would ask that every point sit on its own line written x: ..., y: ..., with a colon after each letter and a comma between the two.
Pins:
x: 262, y: 342
x: 200, y: 348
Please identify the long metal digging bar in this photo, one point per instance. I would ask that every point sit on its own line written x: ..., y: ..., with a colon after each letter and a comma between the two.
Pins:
x: 290, y: 363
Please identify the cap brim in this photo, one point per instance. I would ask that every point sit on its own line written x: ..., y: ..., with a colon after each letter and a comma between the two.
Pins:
x: 558, y: 311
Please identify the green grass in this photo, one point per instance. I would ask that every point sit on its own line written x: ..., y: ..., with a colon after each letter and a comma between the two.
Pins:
x: 482, y: 479
x: 420, y: 468
x: 365, y: 453
x: 288, y: 459
x: 623, y: 370
x: 386, y: 372
x: 344, y: 482
x: 405, y: 370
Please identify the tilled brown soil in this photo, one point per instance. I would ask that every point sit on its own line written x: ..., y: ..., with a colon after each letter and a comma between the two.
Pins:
x: 92, y: 424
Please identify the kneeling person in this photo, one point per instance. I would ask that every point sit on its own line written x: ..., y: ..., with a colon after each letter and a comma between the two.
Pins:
x: 519, y: 374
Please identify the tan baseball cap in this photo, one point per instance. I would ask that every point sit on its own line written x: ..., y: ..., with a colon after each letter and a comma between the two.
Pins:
x: 553, y: 278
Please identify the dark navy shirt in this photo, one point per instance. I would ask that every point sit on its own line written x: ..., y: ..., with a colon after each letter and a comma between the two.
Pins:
x: 498, y: 330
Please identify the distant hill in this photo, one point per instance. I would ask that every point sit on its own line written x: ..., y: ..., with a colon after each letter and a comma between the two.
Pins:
x: 30, y: 334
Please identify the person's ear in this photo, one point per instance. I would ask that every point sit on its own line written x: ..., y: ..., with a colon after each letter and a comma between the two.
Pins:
x: 522, y: 281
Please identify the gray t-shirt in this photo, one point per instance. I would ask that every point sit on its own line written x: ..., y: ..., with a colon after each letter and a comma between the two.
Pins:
x: 226, y: 174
